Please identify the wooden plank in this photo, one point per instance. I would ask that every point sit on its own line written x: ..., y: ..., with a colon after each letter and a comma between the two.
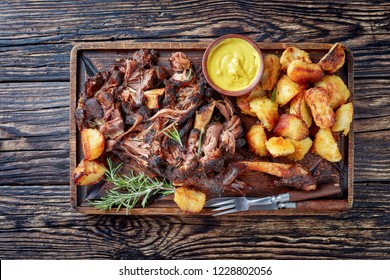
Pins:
x: 42, y: 53
x: 29, y: 232
x: 34, y: 116
x: 300, y: 20
x: 51, y: 63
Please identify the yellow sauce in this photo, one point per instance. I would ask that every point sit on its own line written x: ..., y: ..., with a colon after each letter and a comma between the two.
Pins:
x: 233, y: 64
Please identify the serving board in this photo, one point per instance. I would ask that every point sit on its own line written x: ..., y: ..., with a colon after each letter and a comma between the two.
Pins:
x: 104, y: 55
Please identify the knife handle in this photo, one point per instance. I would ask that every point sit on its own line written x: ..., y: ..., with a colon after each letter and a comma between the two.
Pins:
x: 338, y: 205
x: 322, y: 191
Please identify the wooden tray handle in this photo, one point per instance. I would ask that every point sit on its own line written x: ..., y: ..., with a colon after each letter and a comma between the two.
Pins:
x: 323, y: 191
x: 323, y: 205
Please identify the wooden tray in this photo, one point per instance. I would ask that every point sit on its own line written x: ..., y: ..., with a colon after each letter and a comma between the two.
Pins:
x: 104, y: 55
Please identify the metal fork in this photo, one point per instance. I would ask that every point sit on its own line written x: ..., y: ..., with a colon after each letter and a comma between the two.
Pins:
x: 235, y: 205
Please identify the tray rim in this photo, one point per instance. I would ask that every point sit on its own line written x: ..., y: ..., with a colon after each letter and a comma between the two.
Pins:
x: 269, y: 46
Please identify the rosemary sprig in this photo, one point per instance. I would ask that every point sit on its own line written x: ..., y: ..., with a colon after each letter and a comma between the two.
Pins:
x: 188, y: 77
x: 273, y: 95
x: 130, y: 189
x: 174, y: 135
x: 200, y: 141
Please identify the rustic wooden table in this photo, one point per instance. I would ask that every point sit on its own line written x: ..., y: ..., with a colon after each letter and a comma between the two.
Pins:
x: 37, y: 220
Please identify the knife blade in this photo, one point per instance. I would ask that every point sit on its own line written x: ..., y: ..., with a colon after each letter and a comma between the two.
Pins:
x: 90, y: 68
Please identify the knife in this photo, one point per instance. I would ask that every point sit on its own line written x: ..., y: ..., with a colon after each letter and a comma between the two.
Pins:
x: 312, y: 205
x: 292, y: 196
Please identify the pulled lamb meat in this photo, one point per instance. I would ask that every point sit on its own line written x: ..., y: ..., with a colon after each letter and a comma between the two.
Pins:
x: 115, y: 102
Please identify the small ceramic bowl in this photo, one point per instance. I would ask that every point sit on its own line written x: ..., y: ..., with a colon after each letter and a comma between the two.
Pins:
x: 247, y: 89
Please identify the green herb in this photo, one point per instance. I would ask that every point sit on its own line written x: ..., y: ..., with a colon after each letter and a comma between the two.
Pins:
x: 130, y: 189
x: 174, y: 135
x: 200, y: 141
x: 189, y: 75
x: 273, y: 95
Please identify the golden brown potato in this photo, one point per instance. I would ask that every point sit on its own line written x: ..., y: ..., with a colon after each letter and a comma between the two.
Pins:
x: 302, y: 72
x: 336, y: 88
x: 299, y: 108
x: 256, y: 139
x: 291, y: 126
x: 319, y: 103
x: 92, y: 143
x: 152, y: 97
x: 266, y: 111
x: 325, y: 145
x: 271, y: 72
x: 189, y: 200
x: 203, y: 116
x: 88, y: 172
x: 243, y: 101
x: 278, y: 147
x: 292, y: 53
x: 301, y: 148
x: 344, y: 117
x: 286, y: 90
x: 333, y: 60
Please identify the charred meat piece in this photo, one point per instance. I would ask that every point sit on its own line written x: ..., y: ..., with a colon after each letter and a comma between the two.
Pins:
x: 94, y: 83
x: 80, y: 114
x: 114, y: 127
x: 93, y: 110
x: 206, y: 123
x: 180, y: 62
x: 162, y: 74
x: 292, y: 175
x: 211, y: 138
x: 145, y: 58
x: 129, y: 66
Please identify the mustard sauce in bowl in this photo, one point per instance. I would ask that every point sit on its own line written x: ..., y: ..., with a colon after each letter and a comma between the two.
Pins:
x: 233, y: 65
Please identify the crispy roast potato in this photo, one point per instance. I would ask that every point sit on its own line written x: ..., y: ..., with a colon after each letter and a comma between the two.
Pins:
x: 319, y: 103
x: 189, y: 200
x: 256, y: 139
x: 266, y: 111
x: 92, y: 143
x: 325, y: 145
x: 271, y: 72
x: 278, y: 147
x: 153, y: 97
x: 333, y: 60
x: 299, y: 108
x: 203, y: 116
x: 301, y: 148
x: 292, y: 53
x: 287, y: 89
x: 344, y: 117
x: 88, y: 172
x: 243, y: 101
x: 336, y: 88
x: 302, y: 72
x: 291, y: 126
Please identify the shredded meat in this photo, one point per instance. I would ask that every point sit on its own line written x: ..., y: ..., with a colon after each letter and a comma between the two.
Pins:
x: 116, y: 103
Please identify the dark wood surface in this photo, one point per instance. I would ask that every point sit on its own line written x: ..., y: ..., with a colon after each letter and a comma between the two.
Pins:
x: 37, y: 220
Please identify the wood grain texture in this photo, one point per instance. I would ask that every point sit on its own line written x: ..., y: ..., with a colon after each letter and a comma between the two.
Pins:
x: 37, y: 235
x: 36, y: 219
x: 41, y: 44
